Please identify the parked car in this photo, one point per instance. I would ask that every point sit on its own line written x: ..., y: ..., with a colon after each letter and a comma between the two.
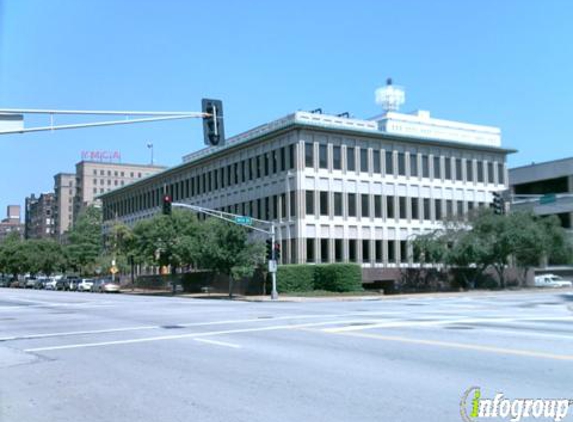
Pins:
x: 50, y: 284
x: 105, y: 285
x: 73, y: 283
x: 85, y: 285
x: 30, y: 282
x: 40, y: 282
x: 15, y: 283
x: 5, y: 281
x: 551, y: 280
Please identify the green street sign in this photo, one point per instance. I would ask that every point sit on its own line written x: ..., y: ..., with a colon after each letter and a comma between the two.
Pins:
x: 244, y: 220
x: 547, y: 199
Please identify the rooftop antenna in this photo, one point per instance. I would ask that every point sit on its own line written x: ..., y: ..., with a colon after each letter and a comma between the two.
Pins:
x: 390, y: 97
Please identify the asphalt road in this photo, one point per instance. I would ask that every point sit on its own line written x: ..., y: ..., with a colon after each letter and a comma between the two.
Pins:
x: 68, y: 356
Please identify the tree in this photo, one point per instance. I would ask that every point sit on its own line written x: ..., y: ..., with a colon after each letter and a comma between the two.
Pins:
x: 43, y: 256
x: 85, y: 240
x: 224, y: 247
x: 13, y: 255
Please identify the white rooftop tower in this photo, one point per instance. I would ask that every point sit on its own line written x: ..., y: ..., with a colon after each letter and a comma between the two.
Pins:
x: 390, y: 97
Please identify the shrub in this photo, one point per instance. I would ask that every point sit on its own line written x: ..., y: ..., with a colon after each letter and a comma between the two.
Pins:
x: 338, y: 277
x: 295, y: 278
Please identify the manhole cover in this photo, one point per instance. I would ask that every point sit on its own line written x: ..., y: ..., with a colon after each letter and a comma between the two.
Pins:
x: 172, y: 327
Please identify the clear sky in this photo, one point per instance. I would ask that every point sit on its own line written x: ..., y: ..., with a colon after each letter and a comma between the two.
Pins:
x: 503, y: 63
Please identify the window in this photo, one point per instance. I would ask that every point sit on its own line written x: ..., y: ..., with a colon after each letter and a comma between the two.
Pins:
x: 403, y: 251
x: 275, y: 161
x: 500, y: 174
x: 427, y: 212
x: 469, y: 171
x: 489, y: 172
x: 378, y: 251
x: 425, y: 166
x: 324, y: 250
x: 323, y: 203
x: 413, y: 165
x: 336, y: 158
x: 401, y: 164
x: 415, y: 209
x: 292, y: 204
x: 459, y: 175
x: 322, y: 157
x: 378, y: 206
x: 389, y: 162
x: 352, y: 205
x: 350, y: 159
x: 460, y: 208
x: 438, y: 203
x: 251, y: 168
x: 480, y: 171
x: 266, y: 161
x: 338, y: 204
x: 309, y: 250
x: 291, y: 159
x: 376, y: 162
x: 309, y: 155
x: 283, y: 159
x: 402, y: 207
x: 449, y: 208
x: 338, y: 250
x: 391, y: 251
x: 309, y: 202
x: 448, y: 167
x: 364, y: 160
x: 365, y: 251
x: 259, y: 160
x: 437, y: 168
x: 365, y: 202
x: 352, y: 250
x: 389, y: 207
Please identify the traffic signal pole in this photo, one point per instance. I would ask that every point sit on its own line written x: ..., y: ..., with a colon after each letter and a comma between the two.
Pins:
x: 273, y: 265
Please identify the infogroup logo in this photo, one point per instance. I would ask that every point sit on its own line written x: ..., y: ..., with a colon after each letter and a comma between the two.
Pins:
x: 473, y: 407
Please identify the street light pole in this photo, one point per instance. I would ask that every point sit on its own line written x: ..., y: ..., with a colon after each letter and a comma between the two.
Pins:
x: 274, y: 293
x: 150, y: 146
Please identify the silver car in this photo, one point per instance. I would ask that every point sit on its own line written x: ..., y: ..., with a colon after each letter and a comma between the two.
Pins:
x: 105, y: 285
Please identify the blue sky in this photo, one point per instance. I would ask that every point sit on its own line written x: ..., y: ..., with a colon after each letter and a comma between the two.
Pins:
x: 502, y: 63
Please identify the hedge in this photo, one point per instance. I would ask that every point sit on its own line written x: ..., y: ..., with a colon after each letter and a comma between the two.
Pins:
x: 338, y: 277
x: 295, y: 278
x: 329, y: 277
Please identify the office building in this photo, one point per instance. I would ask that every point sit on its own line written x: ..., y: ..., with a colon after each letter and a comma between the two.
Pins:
x: 40, y: 216
x: 64, y: 191
x: 338, y: 189
x: 12, y: 223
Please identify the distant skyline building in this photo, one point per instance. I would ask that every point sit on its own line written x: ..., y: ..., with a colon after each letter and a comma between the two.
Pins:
x: 338, y: 189
x: 64, y: 191
x: 93, y: 178
x: 40, y: 222
x: 12, y: 223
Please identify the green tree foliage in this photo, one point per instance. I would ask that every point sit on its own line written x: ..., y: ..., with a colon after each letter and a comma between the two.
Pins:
x: 85, y: 241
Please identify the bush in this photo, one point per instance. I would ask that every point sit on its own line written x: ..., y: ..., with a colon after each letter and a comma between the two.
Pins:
x: 295, y: 278
x: 338, y: 277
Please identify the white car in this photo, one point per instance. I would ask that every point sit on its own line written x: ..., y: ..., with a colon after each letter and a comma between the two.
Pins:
x: 50, y: 284
x: 551, y: 280
x: 85, y: 285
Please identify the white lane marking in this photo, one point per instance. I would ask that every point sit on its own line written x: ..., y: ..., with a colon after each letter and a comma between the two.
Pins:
x: 218, y: 343
x: 181, y: 336
x: 189, y: 324
x: 527, y: 333
x: 400, y: 324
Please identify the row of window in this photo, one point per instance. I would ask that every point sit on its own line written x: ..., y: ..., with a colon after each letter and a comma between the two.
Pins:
x: 395, y: 163
x: 253, y: 168
x: 118, y: 174
x: 379, y: 206
x: 346, y: 250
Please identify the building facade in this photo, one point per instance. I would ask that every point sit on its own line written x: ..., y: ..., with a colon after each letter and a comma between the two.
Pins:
x: 12, y: 223
x: 64, y: 191
x: 40, y: 222
x: 545, y: 189
x: 94, y: 178
x: 337, y: 189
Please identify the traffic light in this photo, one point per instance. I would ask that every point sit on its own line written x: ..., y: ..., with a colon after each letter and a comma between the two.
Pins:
x: 166, y: 205
x: 497, y: 204
x: 270, y: 254
x: 277, y: 251
x: 213, y: 129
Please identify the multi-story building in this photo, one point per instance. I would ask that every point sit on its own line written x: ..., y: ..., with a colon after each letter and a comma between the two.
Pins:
x: 64, y: 191
x: 40, y: 216
x: 338, y: 189
x: 544, y: 188
x: 94, y: 178
x: 12, y: 223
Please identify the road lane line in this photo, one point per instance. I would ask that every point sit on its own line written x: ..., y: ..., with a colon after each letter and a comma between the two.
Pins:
x: 218, y: 343
x: 180, y: 336
x: 465, y: 346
